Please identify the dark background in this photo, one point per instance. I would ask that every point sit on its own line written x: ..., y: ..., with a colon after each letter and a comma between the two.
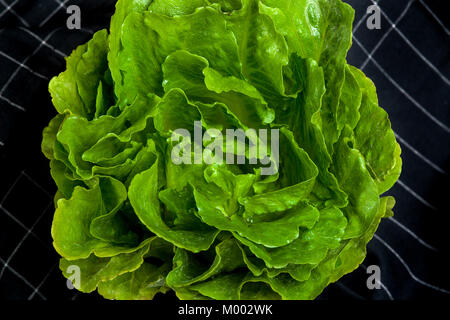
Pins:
x: 408, y: 60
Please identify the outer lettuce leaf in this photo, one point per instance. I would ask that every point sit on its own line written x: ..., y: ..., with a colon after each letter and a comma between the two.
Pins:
x: 353, y: 252
x: 142, y: 284
x: 123, y: 9
x: 49, y: 136
x: 84, y: 140
x: 79, y: 238
x: 375, y: 138
x: 95, y: 270
x: 75, y: 90
x: 354, y: 178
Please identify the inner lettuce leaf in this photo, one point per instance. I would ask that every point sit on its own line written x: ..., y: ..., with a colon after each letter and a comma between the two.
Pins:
x: 135, y: 223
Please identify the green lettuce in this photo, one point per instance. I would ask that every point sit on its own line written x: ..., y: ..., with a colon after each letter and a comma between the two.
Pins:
x: 136, y: 224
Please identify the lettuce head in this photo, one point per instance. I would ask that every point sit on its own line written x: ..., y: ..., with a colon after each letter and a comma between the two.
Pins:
x: 133, y: 223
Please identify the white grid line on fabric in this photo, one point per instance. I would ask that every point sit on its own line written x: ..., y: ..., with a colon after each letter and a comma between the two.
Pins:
x: 408, y: 269
x: 15, y: 105
x: 383, y: 286
x: 417, y: 51
x: 350, y: 291
x: 37, y: 74
x: 8, y: 7
x: 10, y: 189
x: 60, y: 5
x: 435, y: 17
x: 9, y: 214
x: 386, y: 34
x: 59, y: 52
x: 420, y: 155
x: 11, y: 103
x: 416, y: 195
x: 415, y: 236
x: 29, y: 231
x: 37, y: 185
x: 5, y: 86
x: 36, y: 291
x: 23, y: 279
x: 15, y: 14
x: 403, y: 91
x: 43, y: 42
x: 91, y: 32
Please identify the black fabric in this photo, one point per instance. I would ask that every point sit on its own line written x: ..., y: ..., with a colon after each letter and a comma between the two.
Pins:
x: 410, y: 68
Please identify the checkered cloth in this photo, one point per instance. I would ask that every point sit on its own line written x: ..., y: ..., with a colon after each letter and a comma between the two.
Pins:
x: 408, y: 59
